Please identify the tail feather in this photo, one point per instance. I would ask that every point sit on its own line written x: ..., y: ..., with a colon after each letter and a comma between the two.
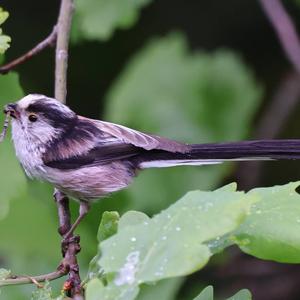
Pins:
x: 214, y: 153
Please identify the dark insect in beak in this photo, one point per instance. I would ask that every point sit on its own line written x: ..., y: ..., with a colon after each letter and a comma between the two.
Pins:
x: 5, y: 126
x: 11, y: 109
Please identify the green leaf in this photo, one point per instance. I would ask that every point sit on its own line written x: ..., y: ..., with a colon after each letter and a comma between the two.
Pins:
x: 204, y: 91
x: 177, y: 233
x: 4, y: 42
x: 3, y: 15
x: 44, y: 293
x: 98, y: 19
x: 206, y: 294
x: 146, y: 250
x: 165, y: 289
x: 92, y: 289
x: 95, y: 290
x: 150, y: 250
x: 108, y: 225
x: 271, y: 231
x: 4, y: 39
x: 193, y: 97
x: 241, y: 295
x: 132, y: 218
x: 4, y: 274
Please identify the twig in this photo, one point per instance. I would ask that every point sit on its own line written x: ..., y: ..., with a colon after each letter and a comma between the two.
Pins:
x: 62, y: 46
x: 285, y: 30
x: 49, y: 41
x: 283, y: 103
x: 15, y: 280
x: 71, y: 246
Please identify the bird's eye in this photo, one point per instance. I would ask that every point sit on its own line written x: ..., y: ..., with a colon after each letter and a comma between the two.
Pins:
x: 32, y: 118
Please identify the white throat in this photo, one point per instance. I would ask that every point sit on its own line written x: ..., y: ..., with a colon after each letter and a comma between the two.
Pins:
x: 28, y: 151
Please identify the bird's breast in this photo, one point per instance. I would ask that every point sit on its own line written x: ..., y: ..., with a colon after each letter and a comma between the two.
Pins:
x: 91, y: 182
x: 29, y: 153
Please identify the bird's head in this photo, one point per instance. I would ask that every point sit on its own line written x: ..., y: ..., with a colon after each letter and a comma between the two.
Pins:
x: 39, y: 118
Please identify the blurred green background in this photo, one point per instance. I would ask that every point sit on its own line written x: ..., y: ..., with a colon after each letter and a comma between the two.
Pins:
x: 196, y: 71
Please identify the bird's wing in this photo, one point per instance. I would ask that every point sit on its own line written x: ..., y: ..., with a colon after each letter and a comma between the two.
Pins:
x: 140, y: 139
x: 99, y: 155
x: 92, y: 142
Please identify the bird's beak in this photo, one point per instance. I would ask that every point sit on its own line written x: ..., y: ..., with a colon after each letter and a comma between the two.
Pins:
x: 12, y: 110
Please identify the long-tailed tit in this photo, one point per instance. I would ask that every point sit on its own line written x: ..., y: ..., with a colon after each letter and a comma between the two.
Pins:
x: 88, y: 159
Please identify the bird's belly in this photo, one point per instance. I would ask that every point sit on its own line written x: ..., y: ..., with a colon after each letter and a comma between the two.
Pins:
x: 90, y: 183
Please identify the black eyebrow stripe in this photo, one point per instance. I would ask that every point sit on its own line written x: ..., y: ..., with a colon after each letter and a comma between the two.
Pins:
x: 39, y: 106
x: 57, y: 118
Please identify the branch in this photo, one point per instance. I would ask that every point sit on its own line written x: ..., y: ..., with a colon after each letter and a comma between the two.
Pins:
x: 70, y: 246
x: 62, y: 46
x: 285, y: 30
x: 49, y: 41
x: 283, y: 103
x: 15, y: 280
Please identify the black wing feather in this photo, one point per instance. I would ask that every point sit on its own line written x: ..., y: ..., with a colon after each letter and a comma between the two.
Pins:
x: 103, y: 154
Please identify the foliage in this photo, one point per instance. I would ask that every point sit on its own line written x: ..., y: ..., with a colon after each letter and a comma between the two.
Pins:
x: 4, y: 274
x: 44, y: 293
x: 171, y: 85
x: 98, y: 19
x: 4, y: 39
x: 146, y: 250
x: 241, y: 295
x: 164, y: 289
x: 271, y: 231
x: 150, y: 248
x: 192, y: 97
x: 166, y: 89
x: 108, y: 227
x: 181, y: 84
x: 208, y: 294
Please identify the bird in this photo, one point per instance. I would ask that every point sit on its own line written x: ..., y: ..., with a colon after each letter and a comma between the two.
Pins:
x: 88, y: 159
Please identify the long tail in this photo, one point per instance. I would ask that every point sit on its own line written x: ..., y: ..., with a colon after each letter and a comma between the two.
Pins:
x: 203, y: 154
